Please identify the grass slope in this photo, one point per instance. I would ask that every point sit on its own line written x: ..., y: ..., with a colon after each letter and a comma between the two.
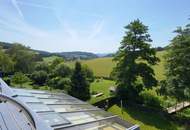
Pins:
x: 146, y: 120
x: 104, y: 66
x: 100, y: 66
x: 101, y: 86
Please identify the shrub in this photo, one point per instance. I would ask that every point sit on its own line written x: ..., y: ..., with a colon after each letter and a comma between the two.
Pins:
x: 150, y: 99
x: 89, y: 73
x: 39, y: 77
x: 20, y: 78
x: 59, y: 83
x: 7, y: 80
x: 61, y: 70
x: 42, y: 66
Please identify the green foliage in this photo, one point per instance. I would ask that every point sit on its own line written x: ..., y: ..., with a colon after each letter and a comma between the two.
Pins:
x: 60, y: 83
x: 20, y: 78
x: 62, y: 70
x: 6, y: 63
x: 184, y: 113
x: 42, y: 66
x: 23, y: 57
x: 56, y: 62
x: 39, y: 77
x: 7, y: 80
x: 178, y: 61
x: 150, y: 99
x: 50, y: 59
x: 79, y: 83
x: 89, y: 73
x: 133, y: 72
x: 64, y: 83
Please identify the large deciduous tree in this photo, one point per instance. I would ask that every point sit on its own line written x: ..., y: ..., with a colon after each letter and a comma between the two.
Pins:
x: 133, y: 72
x: 23, y: 57
x: 79, y: 83
x: 6, y: 63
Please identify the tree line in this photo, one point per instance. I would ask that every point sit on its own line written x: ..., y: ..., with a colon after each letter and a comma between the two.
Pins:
x: 19, y: 65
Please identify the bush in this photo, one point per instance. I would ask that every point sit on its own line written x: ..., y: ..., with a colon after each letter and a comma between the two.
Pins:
x: 150, y: 100
x: 59, y: 83
x: 89, y: 73
x: 20, y: 78
x: 61, y: 70
x: 7, y: 80
x: 39, y: 77
x: 42, y: 66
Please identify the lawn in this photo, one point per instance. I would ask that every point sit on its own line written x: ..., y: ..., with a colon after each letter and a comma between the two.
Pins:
x: 146, y: 120
x: 159, y: 68
x: 101, y: 86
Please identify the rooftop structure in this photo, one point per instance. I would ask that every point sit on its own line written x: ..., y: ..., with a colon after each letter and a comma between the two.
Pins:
x: 22, y: 109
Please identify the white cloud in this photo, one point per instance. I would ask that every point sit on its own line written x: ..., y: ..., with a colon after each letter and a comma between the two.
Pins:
x: 96, y: 29
x: 15, y: 4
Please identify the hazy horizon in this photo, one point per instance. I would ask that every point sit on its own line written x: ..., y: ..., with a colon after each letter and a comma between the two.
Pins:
x: 90, y: 26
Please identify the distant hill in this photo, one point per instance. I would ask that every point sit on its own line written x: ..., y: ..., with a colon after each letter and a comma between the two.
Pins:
x: 105, y: 54
x: 76, y: 55
x: 66, y: 55
x: 5, y: 45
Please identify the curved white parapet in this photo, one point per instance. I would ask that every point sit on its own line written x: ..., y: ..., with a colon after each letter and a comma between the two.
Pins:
x: 5, y: 89
x: 14, y: 114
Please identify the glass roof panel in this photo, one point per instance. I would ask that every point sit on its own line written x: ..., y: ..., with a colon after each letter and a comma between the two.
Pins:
x: 36, y: 91
x: 41, y: 95
x: 38, y: 107
x: 47, y: 95
x: 70, y: 108
x: 99, y: 114
x: 49, y: 101
x: 61, y: 101
x: 53, y: 119
x: 28, y: 99
x: 22, y: 92
x: 78, y: 117
x: 82, y: 117
x: 100, y: 125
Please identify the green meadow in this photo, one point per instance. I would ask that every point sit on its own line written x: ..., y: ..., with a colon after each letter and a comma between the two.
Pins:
x: 104, y: 66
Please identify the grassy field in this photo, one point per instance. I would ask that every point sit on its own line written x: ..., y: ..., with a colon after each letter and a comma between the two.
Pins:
x: 100, y: 66
x: 101, y: 86
x: 104, y: 66
x: 146, y: 120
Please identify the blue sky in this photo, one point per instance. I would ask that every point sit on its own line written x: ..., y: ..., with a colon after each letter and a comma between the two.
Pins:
x: 87, y: 25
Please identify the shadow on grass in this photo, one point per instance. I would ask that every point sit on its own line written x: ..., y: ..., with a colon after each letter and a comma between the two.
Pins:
x: 144, y: 118
x: 151, y: 118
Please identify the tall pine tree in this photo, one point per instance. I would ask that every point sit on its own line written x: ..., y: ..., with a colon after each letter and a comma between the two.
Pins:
x: 178, y: 61
x: 133, y: 72
x: 79, y: 83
